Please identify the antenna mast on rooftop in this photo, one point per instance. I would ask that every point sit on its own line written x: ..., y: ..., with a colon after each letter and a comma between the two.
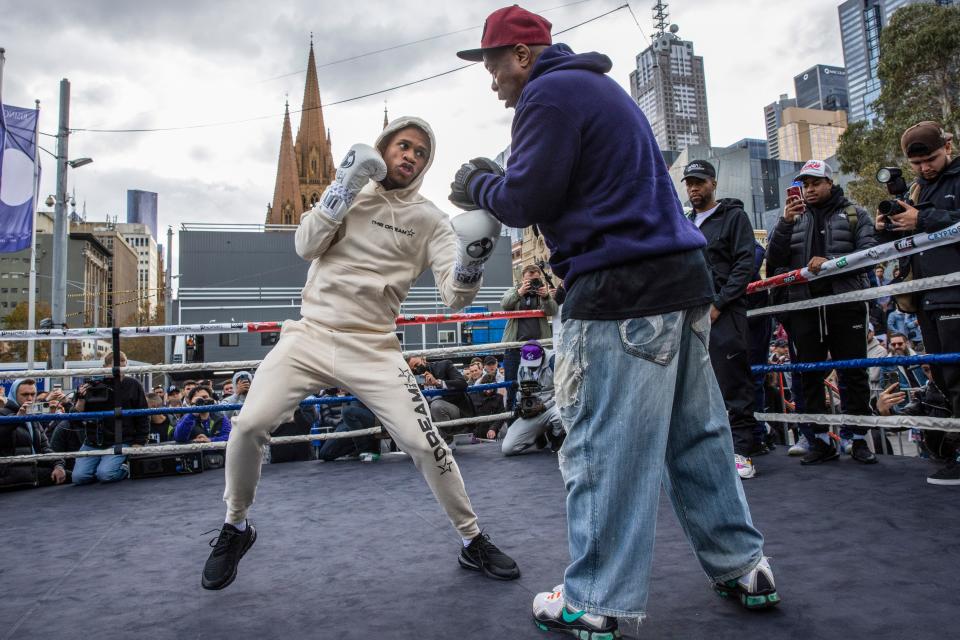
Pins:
x: 661, y: 18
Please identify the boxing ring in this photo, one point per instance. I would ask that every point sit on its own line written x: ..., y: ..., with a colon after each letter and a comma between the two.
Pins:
x: 350, y: 550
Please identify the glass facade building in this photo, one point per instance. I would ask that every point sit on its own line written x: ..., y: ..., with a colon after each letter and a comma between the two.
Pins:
x: 861, y: 22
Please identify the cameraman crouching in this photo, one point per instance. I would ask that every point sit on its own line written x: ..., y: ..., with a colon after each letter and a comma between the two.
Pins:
x: 539, y: 419
x: 97, y: 395
x: 202, y: 427
x: 929, y: 150
x: 532, y: 294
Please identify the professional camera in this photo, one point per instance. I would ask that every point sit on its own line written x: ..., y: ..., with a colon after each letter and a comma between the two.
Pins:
x: 530, y: 405
x: 99, y: 392
x: 535, y: 284
x: 204, y: 402
x: 892, y: 179
x: 419, y: 372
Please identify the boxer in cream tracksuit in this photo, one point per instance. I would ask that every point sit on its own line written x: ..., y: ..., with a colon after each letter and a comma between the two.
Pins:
x: 368, y: 239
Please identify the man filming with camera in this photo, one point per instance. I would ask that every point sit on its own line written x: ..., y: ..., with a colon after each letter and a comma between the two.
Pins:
x: 936, y: 206
x: 532, y: 294
x: 202, y: 427
x: 97, y: 395
x: 443, y: 375
x: 538, y: 420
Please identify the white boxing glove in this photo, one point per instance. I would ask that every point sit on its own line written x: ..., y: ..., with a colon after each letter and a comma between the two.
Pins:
x: 477, y: 232
x: 361, y: 163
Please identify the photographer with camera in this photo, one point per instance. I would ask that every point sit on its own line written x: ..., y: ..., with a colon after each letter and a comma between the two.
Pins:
x: 538, y: 420
x: 821, y: 225
x: 933, y: 205
x: 241, y: 385
x: 935, y: 195
x: 531, y: 294
x: 202, y: 427
x: 26, y: 438
x: 443, y: 375
x: 96, y: 394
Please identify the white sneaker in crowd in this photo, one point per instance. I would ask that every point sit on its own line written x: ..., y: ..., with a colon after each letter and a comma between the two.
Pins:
x: 802, y: 447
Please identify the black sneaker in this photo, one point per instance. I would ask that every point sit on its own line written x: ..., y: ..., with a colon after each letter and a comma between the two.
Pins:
x: 221, y: 567
x: 483, y: 555
x: 949, y: 475
x: 861, y: 452
x: 820, y: 451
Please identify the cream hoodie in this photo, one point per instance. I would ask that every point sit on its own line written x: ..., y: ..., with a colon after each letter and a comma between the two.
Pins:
x: 362, y: 268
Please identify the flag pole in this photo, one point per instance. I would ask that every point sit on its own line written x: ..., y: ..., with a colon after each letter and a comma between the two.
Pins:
x: 32, y: 297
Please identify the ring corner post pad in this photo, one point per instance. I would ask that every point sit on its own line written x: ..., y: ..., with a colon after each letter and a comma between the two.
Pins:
x: 117, y: 408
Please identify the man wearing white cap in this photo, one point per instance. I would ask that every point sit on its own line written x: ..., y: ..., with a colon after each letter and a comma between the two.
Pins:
x: 824, y: 225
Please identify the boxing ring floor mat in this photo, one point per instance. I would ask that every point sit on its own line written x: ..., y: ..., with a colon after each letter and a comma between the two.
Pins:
x: 352, y: 550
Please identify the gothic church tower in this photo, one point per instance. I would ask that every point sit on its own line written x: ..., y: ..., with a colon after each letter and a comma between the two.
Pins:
x: 312, y: 168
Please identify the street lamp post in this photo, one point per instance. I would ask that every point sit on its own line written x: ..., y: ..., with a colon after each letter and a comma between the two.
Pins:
x: 61, y: 227
x: 58, y: 302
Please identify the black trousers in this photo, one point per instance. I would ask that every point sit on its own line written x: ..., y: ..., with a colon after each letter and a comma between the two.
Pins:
x: 353, y: 419
x: 837, y: 332
x: 941, y: 334
x: 730, y: 358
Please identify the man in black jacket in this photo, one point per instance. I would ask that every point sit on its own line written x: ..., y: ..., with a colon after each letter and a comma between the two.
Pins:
x: 443, y: 375
x: 821, y: 226
x: 929, y: 150
x: 99, y: 434
x: 26, y: 438
x: 730, y: 256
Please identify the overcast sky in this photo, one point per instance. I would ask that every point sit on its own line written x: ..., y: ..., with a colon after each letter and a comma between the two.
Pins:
x: 179, y: 62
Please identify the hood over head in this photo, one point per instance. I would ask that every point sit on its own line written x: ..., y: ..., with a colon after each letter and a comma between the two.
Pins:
x: 411, y: 191
x: 12, y: 395
x: 237, y: 376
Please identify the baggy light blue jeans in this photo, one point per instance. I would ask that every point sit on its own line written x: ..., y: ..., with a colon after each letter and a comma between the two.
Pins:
x: 642, y: 407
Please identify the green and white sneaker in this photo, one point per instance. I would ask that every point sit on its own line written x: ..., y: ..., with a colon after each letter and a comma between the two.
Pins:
x: 756, y: 589
x: 550, y: 613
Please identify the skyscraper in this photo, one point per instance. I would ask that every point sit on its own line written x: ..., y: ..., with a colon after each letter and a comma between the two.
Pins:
x: 773, y: 120
x: 669, y: 86
x: 861, y: 22
x: 822, y: 87
x: 142, y: 209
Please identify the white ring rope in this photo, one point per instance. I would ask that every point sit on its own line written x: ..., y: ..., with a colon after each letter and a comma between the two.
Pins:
x: 951, y: 425
x: 248, y: 364
x: 910, y: 245
x: 151, y: 450
x: 933, y: 282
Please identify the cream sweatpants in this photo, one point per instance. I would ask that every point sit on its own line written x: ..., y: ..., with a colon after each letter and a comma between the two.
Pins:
x: 308, y: 358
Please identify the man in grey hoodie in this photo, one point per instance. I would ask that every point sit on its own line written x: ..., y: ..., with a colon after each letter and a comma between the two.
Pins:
x: 241, y: 385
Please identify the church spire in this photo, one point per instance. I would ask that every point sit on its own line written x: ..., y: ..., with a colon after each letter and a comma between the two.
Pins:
x: 315, y: 168
x: 386, y: 120
x: 288, y: 203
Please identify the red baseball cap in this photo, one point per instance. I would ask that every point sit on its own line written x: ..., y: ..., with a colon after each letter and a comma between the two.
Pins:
x: 507, y: 27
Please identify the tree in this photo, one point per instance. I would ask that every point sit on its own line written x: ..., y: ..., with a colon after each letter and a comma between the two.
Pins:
x: 146, y: 349
x: 16, y: 350
x: 920, y: 73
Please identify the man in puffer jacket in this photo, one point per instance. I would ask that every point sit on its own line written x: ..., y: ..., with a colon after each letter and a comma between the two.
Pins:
x: 825, y: 225
x: 26, y: 438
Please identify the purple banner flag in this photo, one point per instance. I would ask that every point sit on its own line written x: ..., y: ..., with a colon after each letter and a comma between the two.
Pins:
x: 18, y: 149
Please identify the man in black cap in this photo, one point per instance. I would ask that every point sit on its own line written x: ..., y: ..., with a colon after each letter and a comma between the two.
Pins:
x: 729, y: 254
x: 824, y: 225
x: 929, y: 150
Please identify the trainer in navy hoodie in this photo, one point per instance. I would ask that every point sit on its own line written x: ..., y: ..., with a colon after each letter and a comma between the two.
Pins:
x: 585, y: 167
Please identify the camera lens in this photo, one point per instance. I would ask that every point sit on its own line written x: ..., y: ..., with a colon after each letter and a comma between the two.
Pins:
x: 889, y: 208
